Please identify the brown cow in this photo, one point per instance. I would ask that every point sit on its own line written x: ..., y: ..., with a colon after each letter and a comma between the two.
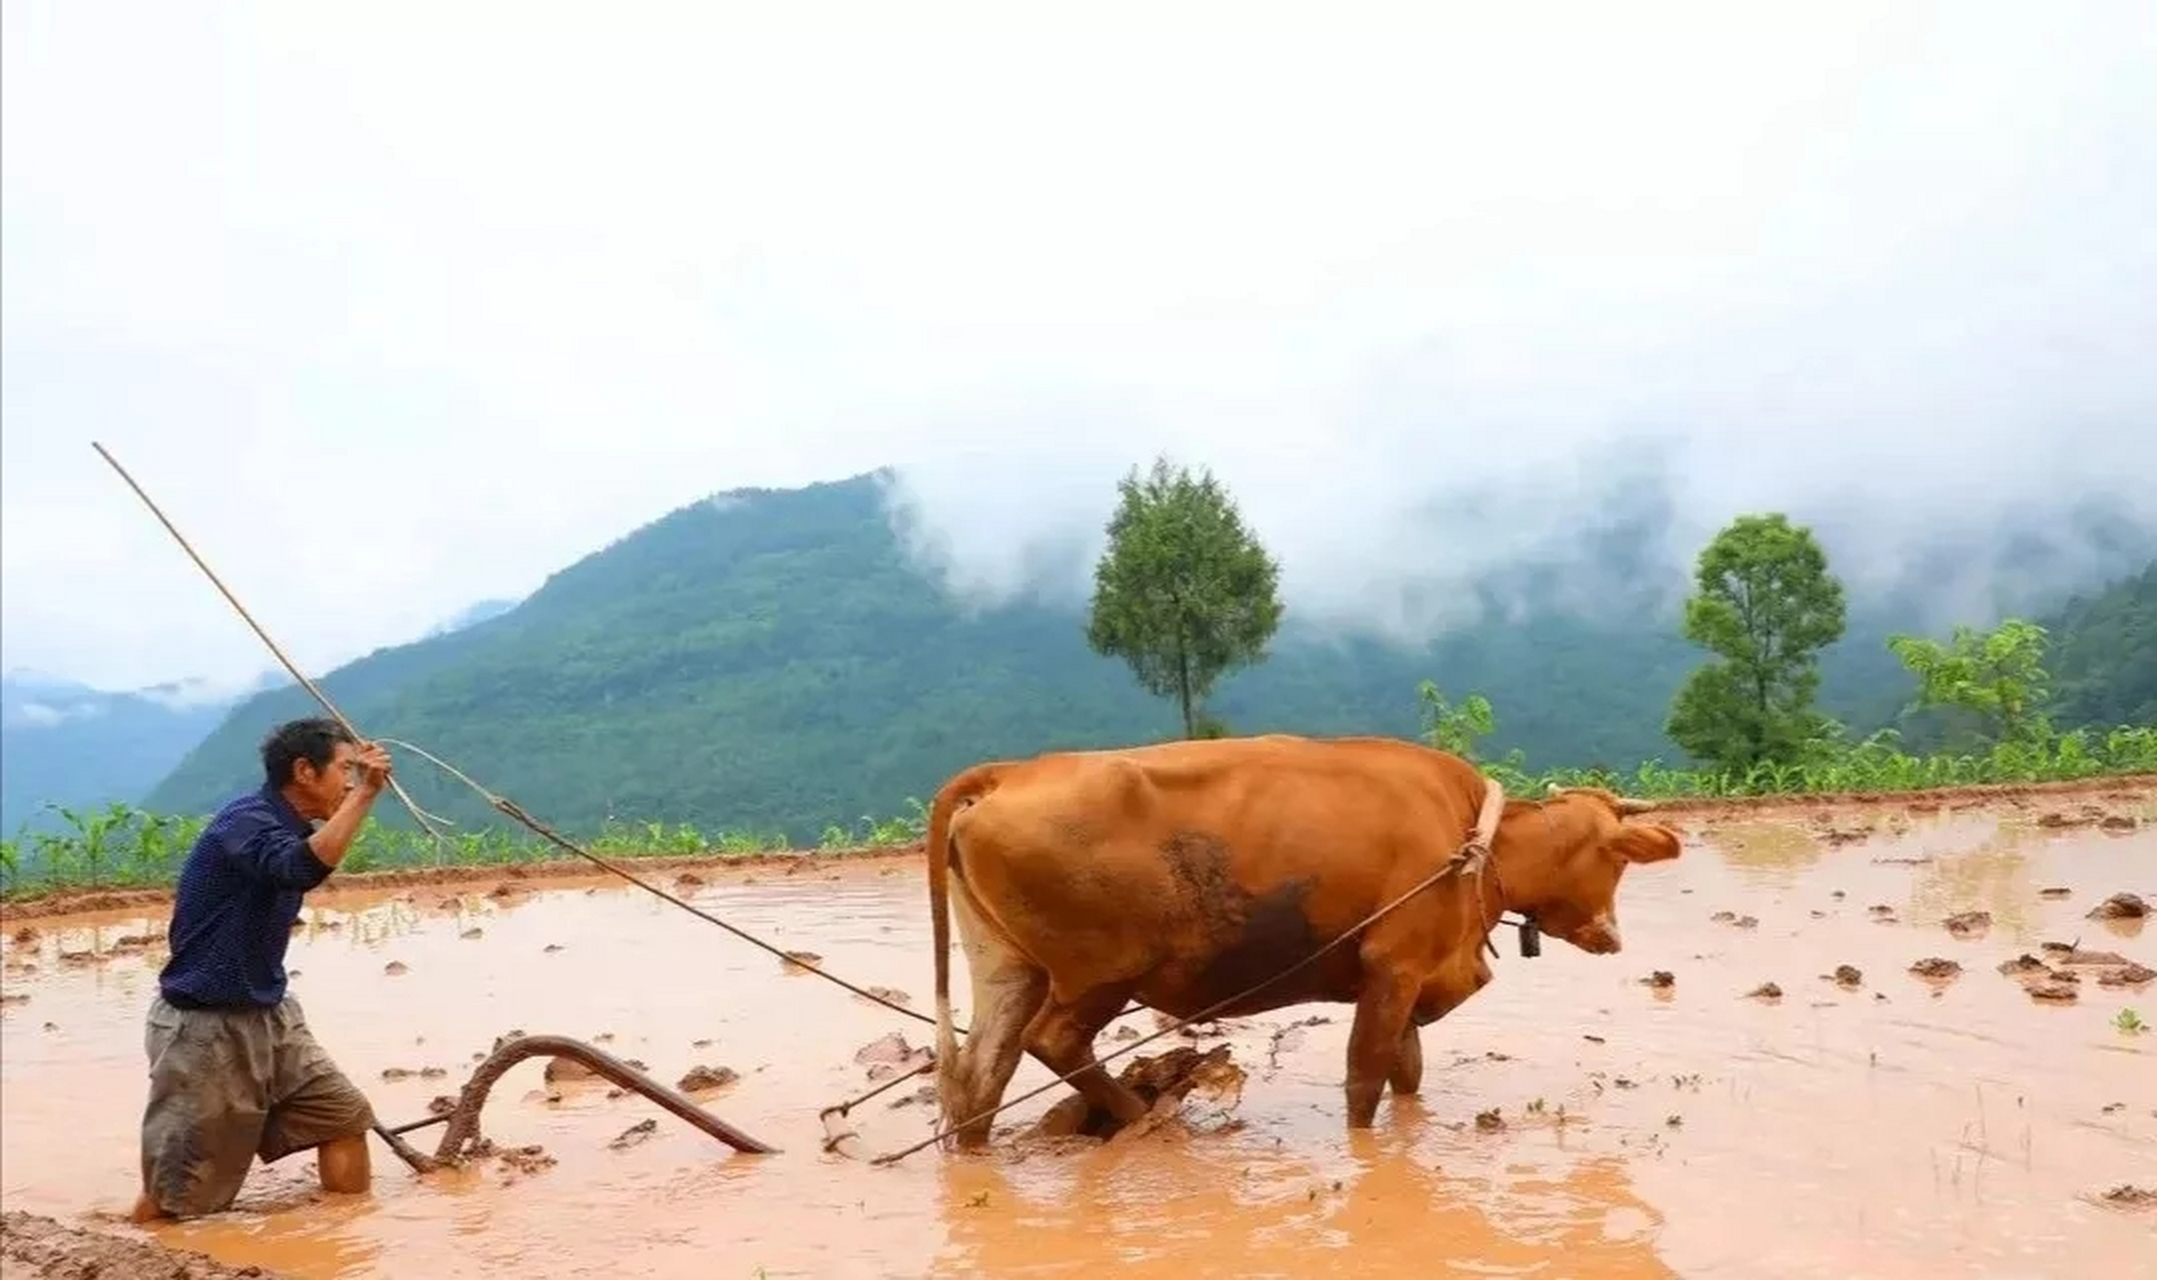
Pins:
x: 1181, y: 874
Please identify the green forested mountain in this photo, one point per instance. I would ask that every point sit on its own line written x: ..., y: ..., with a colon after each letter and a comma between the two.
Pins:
x: 2103, y: 658
x: 771, y: 661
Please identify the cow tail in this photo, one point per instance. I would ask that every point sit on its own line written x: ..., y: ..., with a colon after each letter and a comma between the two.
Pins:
x: 955, y: 794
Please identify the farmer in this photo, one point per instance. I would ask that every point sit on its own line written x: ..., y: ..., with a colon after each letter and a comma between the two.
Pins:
x: 234, y: 1071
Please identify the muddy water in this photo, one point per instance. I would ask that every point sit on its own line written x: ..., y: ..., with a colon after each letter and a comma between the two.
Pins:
x: 1900, y: 1127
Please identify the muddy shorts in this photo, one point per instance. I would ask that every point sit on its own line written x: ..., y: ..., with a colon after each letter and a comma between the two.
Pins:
x: 228, y: 1085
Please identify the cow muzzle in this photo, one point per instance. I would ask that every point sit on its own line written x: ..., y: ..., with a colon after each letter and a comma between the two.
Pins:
x: 1599, y: 937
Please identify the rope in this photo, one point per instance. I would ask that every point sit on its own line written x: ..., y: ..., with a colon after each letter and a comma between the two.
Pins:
x: 1472, y: 858
x: 541, y: 829
x: 506, y: 806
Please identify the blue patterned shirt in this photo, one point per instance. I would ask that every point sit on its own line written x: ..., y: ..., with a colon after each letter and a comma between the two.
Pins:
x: 233, y: 908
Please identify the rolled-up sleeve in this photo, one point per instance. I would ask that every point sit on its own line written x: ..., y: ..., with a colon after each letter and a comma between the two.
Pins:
x: 266, y: 849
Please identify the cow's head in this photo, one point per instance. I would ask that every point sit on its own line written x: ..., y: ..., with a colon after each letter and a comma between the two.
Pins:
x: 1562, y: 859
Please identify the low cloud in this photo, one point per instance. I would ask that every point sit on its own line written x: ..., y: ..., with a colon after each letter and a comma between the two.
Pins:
x: 41, y: 715
x: 1434, y: 304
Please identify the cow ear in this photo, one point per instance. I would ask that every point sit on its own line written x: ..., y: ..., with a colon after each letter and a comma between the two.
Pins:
x: 1646, y: 842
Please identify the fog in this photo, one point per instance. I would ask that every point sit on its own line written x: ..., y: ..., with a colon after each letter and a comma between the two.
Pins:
x: 396, y: 310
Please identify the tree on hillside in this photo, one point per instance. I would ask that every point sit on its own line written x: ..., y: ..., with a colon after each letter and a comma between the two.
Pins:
x: 1766, y: 606
x: 1184, y: 593
x: 2103, y: 655
x: 1454, y: 728
x: 1995, y: 676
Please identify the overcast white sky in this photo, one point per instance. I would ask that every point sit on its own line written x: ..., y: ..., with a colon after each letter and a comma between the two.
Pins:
x: 398, y: 306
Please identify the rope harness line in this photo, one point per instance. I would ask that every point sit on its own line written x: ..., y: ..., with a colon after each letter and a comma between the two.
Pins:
x: 551, y: 836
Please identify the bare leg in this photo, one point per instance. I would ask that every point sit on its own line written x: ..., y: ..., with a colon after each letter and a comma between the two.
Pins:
x: 1374, y: 1044
x: 345, y: 1165
x: 1061, y: 1036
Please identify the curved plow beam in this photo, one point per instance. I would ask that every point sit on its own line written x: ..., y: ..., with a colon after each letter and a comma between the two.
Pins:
x: 463, y: 1121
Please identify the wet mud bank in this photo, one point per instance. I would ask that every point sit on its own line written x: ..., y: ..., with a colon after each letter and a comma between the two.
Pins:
x: 1904, y: 1038
x: 35, y: 1247
x: 668, y: 872
x: 664, y: 873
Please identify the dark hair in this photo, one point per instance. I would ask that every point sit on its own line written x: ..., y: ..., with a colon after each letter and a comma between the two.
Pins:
x: 313, y: 739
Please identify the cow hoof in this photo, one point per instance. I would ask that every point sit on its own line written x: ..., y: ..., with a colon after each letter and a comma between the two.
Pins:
x: 1074, y: 1117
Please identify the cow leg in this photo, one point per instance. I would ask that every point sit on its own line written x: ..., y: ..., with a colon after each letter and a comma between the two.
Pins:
x: 1007, y: 992
x: 1061, y: 1037
x: 1435, y: 1002
x: 1407, y: 1074
x: 1374, y: 1043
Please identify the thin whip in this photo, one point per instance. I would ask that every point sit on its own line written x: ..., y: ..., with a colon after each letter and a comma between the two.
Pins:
x: 500, y: 803
x: 425, y: 819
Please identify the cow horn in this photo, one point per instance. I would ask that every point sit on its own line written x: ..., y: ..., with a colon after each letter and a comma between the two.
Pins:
x: 1627, y: 806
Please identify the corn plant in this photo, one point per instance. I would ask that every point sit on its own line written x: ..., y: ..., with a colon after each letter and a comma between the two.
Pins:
x: 122, y: 845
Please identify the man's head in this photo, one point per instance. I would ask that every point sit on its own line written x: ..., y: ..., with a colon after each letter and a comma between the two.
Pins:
x: 312, y: 762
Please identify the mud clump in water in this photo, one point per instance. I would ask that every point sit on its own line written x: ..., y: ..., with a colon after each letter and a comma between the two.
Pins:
x: 1765, y: 991
x: 2055, y: 891
x: 2023, y: 966
x: 1968, y: 924
x: 1162, y: 1082
x: 2120, y: 906
x: 1936, y: 967
x: 637, y: 1133
x: 2129, y: 1196
x: 32, y: 1245
x: 888, y: 1055
x: 1661, y: 980
x: 2127, y: 975
x: 699, y: 1079
x: 558, y: 1070
x: 2068, y: 953
x: 799, y: 961
x: 516, y: 1160
x: 1847, y: 975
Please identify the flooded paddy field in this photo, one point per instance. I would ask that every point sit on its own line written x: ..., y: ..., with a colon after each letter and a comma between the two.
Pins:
x: 1645, y: 1114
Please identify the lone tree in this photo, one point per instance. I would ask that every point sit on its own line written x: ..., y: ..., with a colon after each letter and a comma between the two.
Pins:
x: 1996, y: 677
x: 1766, y: 606
x: 1184, y: 593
